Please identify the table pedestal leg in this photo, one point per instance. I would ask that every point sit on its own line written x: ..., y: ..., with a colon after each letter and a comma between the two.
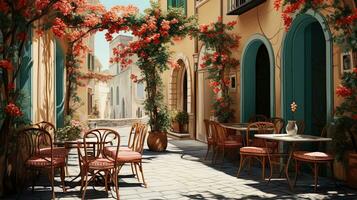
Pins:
x: 291, y: 150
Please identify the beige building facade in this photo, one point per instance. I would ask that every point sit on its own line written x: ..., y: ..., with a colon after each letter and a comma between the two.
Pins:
x: 276, y: 67
x: 126, y: 98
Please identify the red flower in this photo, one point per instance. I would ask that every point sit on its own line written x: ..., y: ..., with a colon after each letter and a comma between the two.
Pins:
x: 343, y: 91
x: 203, y: 28
x: 134, y: 78
x: 355, y: 70
x: 59, y: 27
x: 354, y: 116
x: 12, y: 110
x: 216, y: 90
x: 21, y: 36
x: 11, y: 86
x: 277, y: 4
x: 232, y: 23
x: 5, y: 64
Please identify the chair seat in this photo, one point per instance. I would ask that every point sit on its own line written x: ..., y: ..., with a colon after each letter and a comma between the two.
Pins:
x: 231, y: 144
x: 123, y: 156
x: 57, y: 151
x: 37, y: 161
x: 312, y: 156
x: 99, y: 163
x: 254, y: 150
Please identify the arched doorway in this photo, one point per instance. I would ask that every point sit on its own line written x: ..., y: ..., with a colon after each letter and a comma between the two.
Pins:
x: 257, y: 78
x: 180, y: 88
x: 307, y: 72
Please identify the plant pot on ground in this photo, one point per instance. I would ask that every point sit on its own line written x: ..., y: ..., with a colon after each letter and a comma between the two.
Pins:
x: 157, y: 141
x: 179, y: 122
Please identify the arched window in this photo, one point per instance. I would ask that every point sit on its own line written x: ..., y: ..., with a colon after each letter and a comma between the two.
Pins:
x: 111, y: 96
x: 117, y: 95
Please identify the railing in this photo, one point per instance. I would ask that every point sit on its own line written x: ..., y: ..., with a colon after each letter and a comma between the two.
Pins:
x: 237, y: 7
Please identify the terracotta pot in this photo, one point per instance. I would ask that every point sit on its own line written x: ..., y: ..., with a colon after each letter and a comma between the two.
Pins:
x: 157, y: 141
x: 175, y: 127
x: 352, y: 170
x: 339, y: 170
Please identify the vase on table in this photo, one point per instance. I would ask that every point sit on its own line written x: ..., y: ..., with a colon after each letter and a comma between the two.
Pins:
x: 291, y: 127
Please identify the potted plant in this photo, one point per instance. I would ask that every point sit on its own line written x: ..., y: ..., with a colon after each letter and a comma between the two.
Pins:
x: 154, y: 31
x: 72, y: 131
x: 344, y: 126
x: 179, y: 122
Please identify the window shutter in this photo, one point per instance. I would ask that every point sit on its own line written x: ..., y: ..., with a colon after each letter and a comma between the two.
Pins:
x: 182, y: 4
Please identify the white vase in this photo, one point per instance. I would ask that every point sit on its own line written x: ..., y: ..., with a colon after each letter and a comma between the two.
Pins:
x: 291, y: 128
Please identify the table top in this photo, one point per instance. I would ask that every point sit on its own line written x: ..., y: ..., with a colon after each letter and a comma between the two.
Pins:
x: 239, y: 126
x: 236, y: 126
x: 80, y: 140
x: 293, y: 138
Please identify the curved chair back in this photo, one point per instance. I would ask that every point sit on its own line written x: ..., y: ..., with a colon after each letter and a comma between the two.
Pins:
x: 259, y: 128
x: 208, y: 128
x: 132, y: 133
x: 99, y: 138
x: 279, y: 123
x: 48, y: 126
x: 139, y: 141
x: 258, y: 118
x: 220, y: 132
x: 31, y: 140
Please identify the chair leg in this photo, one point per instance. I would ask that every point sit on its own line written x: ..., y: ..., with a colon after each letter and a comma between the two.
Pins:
x: 208, y: 148
x: 63, y: 175
x: 132, y: 168
x: 223, y: 152
x: 85, y: 184
x: 296, y: 171
x: 215, y: 156
x: 332, y: 173
x: 106, y: 181
x: 263, y: 168
x: 116, y: 185
x: 142, y: 173
x: 241, y: 164
x: 136, y: 171
x: 34, y: 176
x: 51, y: 177
x: 316, y: 175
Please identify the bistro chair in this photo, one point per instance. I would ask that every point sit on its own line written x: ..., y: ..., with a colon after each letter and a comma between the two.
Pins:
x: 34, y: 139
x: 209, y: 137
x: 134, y: 157
x: 222, y: 141
x: 132, y: 135
x: 95, y: 162
x: 315, y: 159
x: 257, y: 118
x: 279, y: 123
x: 258, y: 148
x: 60, y: 152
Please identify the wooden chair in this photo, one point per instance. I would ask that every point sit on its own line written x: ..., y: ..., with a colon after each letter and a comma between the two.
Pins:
x: 222, y: 142
x: 60, y: 152
x: 258, y: 118
x: 95, y: 162
x: 258, y: 148
x: 279, y: 123
x: 35, y: 139
x: 315, y: 159
x: 132, y: 135
x: 134, y: 157
x: 209, y: 137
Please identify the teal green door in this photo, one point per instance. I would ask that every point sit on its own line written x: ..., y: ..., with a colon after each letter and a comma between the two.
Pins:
x: 305, y: 74
x: 60, y: 62
x: 257, y: 79
x: 24, y: 82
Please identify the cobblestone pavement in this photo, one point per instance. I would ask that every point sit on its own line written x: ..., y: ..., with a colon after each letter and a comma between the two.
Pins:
x: 182, y: 173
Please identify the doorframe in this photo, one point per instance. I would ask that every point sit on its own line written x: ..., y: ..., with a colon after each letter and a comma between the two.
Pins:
x: 253, y: 40
x: 298, y: 21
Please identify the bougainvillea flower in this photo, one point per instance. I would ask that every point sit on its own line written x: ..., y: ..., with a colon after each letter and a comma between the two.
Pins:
x: 5, y: 64
x: 343, y: 91
x: 12, y: 110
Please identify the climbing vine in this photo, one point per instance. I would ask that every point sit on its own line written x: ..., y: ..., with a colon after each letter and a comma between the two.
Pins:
x: 219, y: 61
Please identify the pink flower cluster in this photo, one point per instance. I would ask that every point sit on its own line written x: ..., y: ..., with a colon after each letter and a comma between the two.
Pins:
x: 343, y: 91
x: 58, y: 27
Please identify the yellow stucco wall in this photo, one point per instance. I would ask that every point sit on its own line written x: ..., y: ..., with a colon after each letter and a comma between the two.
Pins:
x: 262, y: 20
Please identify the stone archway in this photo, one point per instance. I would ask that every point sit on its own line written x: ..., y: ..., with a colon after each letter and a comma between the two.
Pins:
x: 180, y: 92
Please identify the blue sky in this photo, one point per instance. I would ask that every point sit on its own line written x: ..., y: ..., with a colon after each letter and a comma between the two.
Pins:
x: 101, y: 45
